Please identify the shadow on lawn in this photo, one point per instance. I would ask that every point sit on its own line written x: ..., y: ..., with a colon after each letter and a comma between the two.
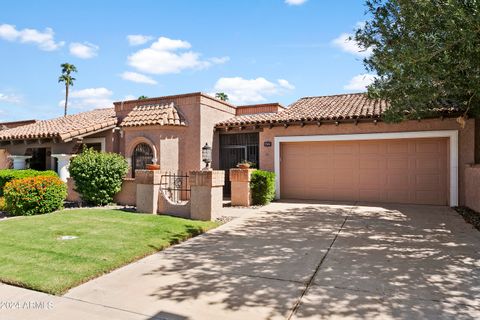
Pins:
x: 387, y: 262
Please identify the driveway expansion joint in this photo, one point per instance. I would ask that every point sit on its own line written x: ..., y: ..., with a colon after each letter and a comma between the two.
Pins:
x: 317, y: 269
x: 265, y: 277
x: 110, y: 307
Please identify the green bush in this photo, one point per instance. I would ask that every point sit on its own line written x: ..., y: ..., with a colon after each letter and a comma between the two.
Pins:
x: 34, y: 195
x: 98, y: 175
x: 262, y: 185
x: 7, y: 175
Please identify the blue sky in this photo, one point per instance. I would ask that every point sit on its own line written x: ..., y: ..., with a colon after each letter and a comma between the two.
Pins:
x: 256, y: 51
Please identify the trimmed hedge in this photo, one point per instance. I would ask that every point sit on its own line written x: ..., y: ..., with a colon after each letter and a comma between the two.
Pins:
x: 98, y: 176
x: 34, y: 195
x: 262, y: 185
x: 7, y: 175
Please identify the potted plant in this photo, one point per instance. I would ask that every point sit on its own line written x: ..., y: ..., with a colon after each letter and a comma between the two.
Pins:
x: 245, y: 164
x: 152, y: 166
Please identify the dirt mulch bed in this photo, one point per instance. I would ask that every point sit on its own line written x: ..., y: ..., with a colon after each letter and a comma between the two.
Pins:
x: 470, y: 216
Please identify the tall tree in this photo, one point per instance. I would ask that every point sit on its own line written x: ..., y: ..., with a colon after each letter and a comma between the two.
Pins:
x: 222, y: 96
x: 425, y: 53
x: 142, y: 97
x: 66, y: 78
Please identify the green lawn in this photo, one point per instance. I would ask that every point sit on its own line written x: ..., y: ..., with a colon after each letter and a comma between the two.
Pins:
x: 32, y: 256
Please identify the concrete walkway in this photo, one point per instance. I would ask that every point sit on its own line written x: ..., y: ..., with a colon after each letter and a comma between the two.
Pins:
x: 292, y: 261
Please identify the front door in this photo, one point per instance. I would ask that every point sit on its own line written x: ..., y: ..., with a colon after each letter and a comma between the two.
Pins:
x: 235, y: 148
x: 39, y: 159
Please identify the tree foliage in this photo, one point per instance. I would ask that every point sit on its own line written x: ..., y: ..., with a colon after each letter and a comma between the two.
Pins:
x: 67, y: 79
x: 222, y: 96
x: 426, y: 54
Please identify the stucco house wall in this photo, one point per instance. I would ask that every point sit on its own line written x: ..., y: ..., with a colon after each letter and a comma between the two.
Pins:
x: 178, y: 148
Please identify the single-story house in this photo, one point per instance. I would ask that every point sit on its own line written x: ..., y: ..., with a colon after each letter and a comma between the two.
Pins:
x: 321, y: 148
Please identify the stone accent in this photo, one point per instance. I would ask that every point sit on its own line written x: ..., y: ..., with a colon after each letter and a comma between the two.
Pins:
x: 206, y: 194
x: 240, y: 192
x: 148, y: 186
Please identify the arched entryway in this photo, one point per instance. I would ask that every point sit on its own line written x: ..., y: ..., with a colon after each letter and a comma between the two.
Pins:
x: 141, y: 156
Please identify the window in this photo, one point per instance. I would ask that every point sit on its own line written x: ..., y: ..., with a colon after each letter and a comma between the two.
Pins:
x: 94, y: 146
x: 142, y: 155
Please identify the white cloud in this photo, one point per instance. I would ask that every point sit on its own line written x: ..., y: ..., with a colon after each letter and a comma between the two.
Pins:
x: 89, y: 98
x: 167, y: 56
x: 360, y: 82
x: 138, y: 39
x: 44, y: 40
x: 84, y: 50
x: 344, y: 42
x: 137, y: 77
x: 129, y: 97
x: 295, y: 2
x: 242, y: 90
x: 10, y: 98
x: 284, y: 83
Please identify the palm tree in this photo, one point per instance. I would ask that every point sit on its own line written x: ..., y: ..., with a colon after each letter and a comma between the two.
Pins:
x: 222, y: 96
x: 67, y: 69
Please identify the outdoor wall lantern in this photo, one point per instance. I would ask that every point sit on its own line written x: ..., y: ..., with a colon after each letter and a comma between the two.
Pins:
x: 207, y: 156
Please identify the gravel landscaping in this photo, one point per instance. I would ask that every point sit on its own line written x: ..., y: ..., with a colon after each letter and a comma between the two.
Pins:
x: 470, y: 216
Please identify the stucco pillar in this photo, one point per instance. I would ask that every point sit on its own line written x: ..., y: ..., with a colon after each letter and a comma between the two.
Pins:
x: 206, y: 199
x: 63, y: 164
x: 148, y: 186
x: 240, y: 190
x: 19, y: 162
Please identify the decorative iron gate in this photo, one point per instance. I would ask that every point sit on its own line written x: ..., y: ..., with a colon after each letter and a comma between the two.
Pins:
x: 235, y: 148
x: 142, y: 155
x: 175, y: 187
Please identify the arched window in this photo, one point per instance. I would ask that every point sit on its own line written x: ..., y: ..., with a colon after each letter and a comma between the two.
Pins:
x: 142, y: 155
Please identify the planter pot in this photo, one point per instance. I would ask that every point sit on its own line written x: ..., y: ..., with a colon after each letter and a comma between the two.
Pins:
x: 243, y: 166
x: 153, y: 167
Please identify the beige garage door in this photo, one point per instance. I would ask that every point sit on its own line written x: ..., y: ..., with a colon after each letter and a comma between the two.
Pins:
x: 397, y: 171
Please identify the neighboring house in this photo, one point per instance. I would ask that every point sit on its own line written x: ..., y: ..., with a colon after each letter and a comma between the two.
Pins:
x: 321, y: 148
x: 5, y: 162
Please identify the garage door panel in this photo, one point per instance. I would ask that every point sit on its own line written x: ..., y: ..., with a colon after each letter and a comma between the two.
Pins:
x: 397, y: 163
x: 400, y: 171
x: 370, y: 179
x: 320, y: 160
x: 345, y: 148
x: 371, y: 195
x: 397, y: 147
x: 370, y: 162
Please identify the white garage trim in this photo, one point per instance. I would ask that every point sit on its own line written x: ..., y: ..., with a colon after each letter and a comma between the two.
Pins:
x: 451, y: 134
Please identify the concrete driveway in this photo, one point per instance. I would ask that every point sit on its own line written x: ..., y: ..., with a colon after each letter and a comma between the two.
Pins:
x: 299, y: 261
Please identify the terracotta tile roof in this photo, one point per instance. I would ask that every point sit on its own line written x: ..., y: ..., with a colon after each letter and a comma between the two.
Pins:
x: 336, y: 107
x: 64, y: 128
x: 155, y: 114
x: 249, y: 119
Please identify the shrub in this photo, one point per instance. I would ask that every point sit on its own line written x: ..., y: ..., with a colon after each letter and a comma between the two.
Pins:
x: 3, y: 205
x: 7, y: 175
x: 34, y: 195
x: 98, y: 175
x: 262, y: 185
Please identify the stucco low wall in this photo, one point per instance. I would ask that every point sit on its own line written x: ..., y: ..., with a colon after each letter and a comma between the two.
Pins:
x: 128, y: 193
x: 126, y: 196
x: 72, y: 195
x: 472, y: 187
x: 172, y: 209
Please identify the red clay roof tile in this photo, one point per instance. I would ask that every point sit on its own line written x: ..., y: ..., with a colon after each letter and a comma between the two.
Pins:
x: 63, y: 127
x: 164, y: 115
